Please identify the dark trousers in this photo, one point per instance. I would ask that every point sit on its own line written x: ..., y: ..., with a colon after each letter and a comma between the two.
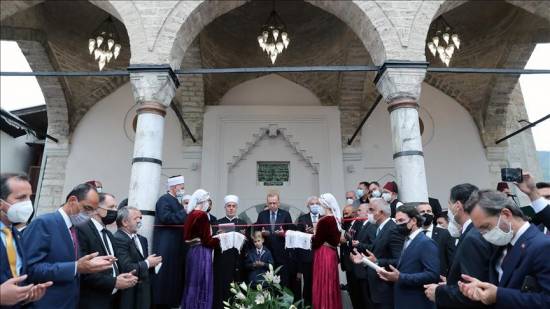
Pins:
x: 385, y: 305
x: 307, y: 277
x: 365, y: 293
x: 354, y: 291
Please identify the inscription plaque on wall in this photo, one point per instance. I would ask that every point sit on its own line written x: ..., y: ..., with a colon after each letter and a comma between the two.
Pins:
x: 273, y: 173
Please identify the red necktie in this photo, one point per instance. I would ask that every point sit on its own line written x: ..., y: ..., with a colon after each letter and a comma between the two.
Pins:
x: 75, y: 241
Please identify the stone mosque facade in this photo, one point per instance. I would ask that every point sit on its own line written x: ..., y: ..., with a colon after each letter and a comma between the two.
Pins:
x: 429, y: 132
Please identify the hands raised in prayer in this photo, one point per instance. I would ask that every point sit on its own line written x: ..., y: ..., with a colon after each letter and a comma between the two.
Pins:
x: 478, y: 290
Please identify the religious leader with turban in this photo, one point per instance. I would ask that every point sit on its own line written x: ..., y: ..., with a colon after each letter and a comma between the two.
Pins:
x: 199, y: 283
x: 170, y: 215
x: 228, y: 265
x: 326, y: 284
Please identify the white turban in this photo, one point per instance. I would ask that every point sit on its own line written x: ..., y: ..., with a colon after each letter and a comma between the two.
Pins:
x: 198, y: 197
x: 328, y: 200
x: 174, y: 181
x: 186, y: 197
x: 231, y: 199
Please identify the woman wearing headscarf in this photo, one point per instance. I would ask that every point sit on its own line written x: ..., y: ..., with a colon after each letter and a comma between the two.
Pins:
x: 198, y: 292
x: 326, y: 284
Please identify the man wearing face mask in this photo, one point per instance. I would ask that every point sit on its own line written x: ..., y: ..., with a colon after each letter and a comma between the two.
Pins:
x: 418, y: 264
x: 52, y: 248
x: 444, y: 241
x: 351, y: 199
x: 168, y: 242
x: 132, y: 253
x: 374, y: 190
x: 389, y: 194
x: 362, y: 192
x: 472, y: 254
x: 306, y: 224
x: 386, y: 250
x: 98, y: 290
x: 15, y: 207
x: 520, y: 268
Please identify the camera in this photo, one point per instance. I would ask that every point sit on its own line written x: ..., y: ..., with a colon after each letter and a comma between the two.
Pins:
x: 511, y: 174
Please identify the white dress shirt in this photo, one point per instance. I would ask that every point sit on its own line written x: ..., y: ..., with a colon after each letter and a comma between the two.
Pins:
x: 99, y: 227
x: 410, y: 238
x: 429, y: 231
x: 539, y: 204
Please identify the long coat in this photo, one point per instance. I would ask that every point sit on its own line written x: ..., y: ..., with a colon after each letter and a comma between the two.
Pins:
x: 168, y: 242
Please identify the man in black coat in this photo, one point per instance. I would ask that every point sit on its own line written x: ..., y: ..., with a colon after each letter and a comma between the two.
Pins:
x: 386, y: 250
x: 539, y: 194
x: 274, y: 221
x: 472, y: 256
x: 306, y: 224
x: 362, y: 241
x: 98, y: 290
x: 168, y: 242
x: 132, y: 253
x: 228, y: 264
x: 444, y: 241
x: 349, y: 227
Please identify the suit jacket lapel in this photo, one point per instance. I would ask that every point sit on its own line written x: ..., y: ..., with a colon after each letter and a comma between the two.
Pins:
x: 65, y: 234
x: 514, y: 256
x: 99, y: 238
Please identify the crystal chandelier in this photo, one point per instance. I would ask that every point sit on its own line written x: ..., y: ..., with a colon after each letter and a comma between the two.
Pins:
x: 105, y: 43
x: 442, y: 40
x: 273, y: 38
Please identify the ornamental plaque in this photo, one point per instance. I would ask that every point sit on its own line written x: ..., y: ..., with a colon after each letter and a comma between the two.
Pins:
x: 273, y: 173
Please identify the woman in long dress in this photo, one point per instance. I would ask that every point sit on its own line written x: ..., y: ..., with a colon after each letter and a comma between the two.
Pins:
x: 199, y: 284
x: 326, y: 284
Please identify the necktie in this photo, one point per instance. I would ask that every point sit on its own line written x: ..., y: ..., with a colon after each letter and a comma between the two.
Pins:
x: 272, y: 221
x: 74, y: 238
x: 106, y: 243
x: 10, y: 248
x: 137, y: 244
x: 314, y: 220
x: 377, y: 231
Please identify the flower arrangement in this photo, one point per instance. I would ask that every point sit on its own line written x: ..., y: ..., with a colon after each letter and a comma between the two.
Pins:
x: 269, y: 294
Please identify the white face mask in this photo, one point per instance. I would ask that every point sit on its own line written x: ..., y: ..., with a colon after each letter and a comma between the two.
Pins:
x: 497, y: 236
x: 440, y: 226
x: 349, y: 201
x: 371, y: 218
x: 376, y: 193
x: 20, y: 212
x: 386, y: 196
x: 454, y: 228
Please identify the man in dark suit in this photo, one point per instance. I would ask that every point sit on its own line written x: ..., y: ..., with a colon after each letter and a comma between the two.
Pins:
x: 418, y: 264
x: 362, y: 241
x: 520, y: 268
x: 15, y: 207
x: 472, y: 254
x: 349, y: 227
x: 539, y: 202
x: 99, y: 290
x: 132, y: 253
x: 444, y: 241
x: 275, y: 221
x: 168, y: 242
x: 386, y: 250
x: 51, y: 246
x: 306, y: 224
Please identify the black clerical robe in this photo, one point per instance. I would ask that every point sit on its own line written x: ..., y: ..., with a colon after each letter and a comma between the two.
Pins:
x: 227, y: 265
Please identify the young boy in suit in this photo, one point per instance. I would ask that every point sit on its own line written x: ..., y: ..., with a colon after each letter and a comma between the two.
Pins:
x: 258, y: 259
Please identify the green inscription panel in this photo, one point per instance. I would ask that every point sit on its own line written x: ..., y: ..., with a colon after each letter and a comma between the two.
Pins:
x: 271, y: 173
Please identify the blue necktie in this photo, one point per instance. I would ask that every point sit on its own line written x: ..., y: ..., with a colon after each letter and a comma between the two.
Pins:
x: 272, y: 221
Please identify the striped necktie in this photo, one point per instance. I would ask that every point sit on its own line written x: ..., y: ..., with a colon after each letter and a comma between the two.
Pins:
x: 10, y: 248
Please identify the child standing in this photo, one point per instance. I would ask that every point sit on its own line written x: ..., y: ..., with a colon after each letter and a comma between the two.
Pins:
x: 258, y: 259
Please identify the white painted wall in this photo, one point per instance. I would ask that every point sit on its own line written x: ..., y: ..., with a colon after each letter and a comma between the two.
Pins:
x: 453, y: 150
x: 15, y: 155
x: 101, y: 150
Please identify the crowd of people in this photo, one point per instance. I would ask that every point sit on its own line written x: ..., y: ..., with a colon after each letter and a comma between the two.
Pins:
x: 483, y: 251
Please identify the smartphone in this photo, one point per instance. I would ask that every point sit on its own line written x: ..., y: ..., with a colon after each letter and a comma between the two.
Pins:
x: 511, y: 174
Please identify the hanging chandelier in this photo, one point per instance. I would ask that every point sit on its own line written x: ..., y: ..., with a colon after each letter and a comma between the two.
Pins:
x: 443, y: 42
x: 273, y: 38
x: 105, y: 43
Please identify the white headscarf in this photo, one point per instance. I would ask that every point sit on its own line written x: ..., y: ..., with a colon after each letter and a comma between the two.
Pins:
x: 186, y: 197
x: 328, y: 200
x: 198, y: 197
x: 231, y: 199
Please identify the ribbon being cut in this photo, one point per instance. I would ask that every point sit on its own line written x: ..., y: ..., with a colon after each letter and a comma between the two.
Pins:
x: 229, y: 240
x: 295, y: 239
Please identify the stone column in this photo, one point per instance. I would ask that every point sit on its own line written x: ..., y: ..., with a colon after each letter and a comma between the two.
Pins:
x: 400, y: 85
x: 153, y: 90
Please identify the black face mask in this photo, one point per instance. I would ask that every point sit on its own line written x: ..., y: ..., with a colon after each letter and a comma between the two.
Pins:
x: 428, y: 219
x: 403, y: 229
x: 110, y: 217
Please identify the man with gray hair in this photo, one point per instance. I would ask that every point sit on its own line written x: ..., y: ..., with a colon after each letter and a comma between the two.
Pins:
x: 306, y: 224
x: 520, y: 272
x: 132, y: 254
x: 386, y: 250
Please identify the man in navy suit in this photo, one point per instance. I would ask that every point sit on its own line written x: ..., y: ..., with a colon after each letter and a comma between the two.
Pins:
x: 520, y: 268
x: 15, y: 207
x: 418, y: 264
x: 275, y: 222
x: 51, y: 247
